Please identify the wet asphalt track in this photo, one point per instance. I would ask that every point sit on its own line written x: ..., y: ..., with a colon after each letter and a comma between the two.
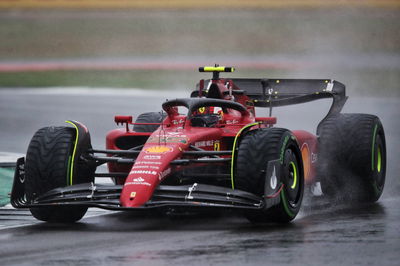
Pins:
x: 323, y: 233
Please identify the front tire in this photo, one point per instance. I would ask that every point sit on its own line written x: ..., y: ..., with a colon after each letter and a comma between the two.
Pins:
x: 48, y: 166
x: 256, y: 150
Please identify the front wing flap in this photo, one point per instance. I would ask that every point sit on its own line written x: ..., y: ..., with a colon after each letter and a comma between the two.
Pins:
x: 107, y: 196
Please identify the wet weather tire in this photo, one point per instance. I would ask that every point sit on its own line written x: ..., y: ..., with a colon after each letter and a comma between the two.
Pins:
x: 47, y: 167
x: 151, y: 117
x: 352, y: 157
x: 256, y: 150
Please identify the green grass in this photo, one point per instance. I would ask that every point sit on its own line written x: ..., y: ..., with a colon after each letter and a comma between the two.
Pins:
x: 119, y: 79
x: 146, y: 79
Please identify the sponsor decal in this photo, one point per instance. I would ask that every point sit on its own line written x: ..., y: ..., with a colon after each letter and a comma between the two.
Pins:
x: 140, y: 166
x: 273, y: 180
x: 329, y: 86
x: 152, y: 157
x: 145, y: 167
x: 204, y: 143
x: 217, y: 146
x: 176, y: 122
x: 164, y: 173
x: 138, y: 183
x: 167, y: 139
x: 133, y: 194
x: 202, y: 110
x: 314, y: 157
x: 21, y: 173
x: 176, y: 134
x: 158, y: 149
x: 147, y: 162
x: 146, y: 172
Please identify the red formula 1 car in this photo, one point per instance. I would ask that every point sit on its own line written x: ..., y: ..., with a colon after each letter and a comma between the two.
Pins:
x: 216, y: 153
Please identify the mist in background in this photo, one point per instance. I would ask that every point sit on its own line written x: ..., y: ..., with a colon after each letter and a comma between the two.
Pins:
x: 161, y: 49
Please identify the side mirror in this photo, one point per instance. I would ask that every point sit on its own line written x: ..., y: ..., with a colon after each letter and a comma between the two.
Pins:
x: 123, y: 119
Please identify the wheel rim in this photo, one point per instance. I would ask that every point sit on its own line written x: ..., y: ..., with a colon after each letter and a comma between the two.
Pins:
x: 291, y: 178
x: 379, y: 165
x: 293, y: 174
x: 379, y: 160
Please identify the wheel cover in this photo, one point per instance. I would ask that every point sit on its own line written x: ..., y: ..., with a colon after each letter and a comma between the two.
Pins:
x: 379, y: 160
x: 291, y: 178
x: 293, y: 172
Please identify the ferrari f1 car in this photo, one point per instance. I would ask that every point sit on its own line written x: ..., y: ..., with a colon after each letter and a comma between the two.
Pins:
x: 209, y: 151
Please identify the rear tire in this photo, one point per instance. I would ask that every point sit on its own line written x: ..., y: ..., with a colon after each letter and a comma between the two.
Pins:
x: 256, y: 149
x: 151, y: 117
x: 352, y: 157
x: 47, y: 167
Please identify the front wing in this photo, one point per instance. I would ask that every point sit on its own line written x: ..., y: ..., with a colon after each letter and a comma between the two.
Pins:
x: 107, y: 196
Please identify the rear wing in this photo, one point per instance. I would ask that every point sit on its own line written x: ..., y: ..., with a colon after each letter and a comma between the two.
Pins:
x: 281, y: 92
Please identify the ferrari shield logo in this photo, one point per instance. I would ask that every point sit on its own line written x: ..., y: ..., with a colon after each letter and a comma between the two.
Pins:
x: 217, y: 146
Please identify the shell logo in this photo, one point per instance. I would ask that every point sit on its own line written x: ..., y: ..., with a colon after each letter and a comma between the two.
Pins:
x: 158, y: 149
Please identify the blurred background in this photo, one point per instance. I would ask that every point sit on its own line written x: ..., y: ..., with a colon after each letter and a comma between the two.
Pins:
x: 158, y: 44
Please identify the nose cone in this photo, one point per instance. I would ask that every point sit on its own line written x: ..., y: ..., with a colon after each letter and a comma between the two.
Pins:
x: 151, y: 166
x: 153, y: 163
x: 136, y: 194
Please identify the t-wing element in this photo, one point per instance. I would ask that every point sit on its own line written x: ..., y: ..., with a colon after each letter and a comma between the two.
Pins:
x: 216, y: 70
